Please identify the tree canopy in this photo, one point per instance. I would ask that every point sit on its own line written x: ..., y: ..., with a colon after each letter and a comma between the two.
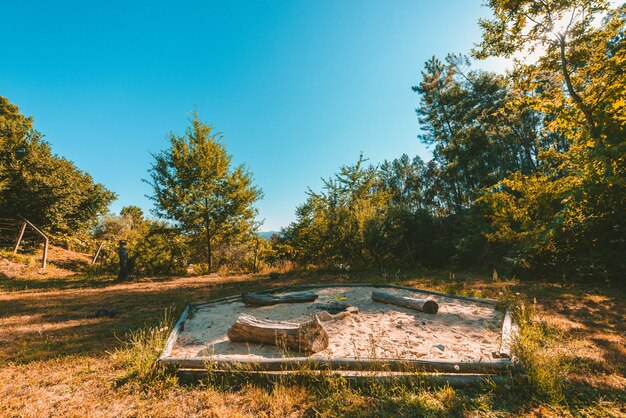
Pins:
x: 528, y: 167
x: 40, y: 186
x: 196, y: 185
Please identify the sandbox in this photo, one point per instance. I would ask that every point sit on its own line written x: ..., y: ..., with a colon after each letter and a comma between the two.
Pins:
x: 467, y: 337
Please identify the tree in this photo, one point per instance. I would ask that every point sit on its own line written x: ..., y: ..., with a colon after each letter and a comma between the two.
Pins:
x: 568, y: 217
x: 558, y: 26
x: 46, y: 189
x: 196, y: 186
x: 477, y: 139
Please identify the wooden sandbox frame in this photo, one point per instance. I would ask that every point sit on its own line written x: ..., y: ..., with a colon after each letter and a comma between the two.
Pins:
x: 456, y: 373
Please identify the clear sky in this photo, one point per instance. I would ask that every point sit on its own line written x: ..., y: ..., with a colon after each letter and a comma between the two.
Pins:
x: 297, y: 87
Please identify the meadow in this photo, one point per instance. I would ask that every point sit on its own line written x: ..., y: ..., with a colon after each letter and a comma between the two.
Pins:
x: 59, y: 357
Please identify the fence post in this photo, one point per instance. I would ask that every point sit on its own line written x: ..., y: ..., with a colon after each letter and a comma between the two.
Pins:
x: 19, y: 238
x: 95, y: 257
x: 45, y: 253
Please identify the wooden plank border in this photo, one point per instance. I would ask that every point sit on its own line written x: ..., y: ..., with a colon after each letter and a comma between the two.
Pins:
x: 453, y: 380
x: 173, y: 337
x: 498, y: 366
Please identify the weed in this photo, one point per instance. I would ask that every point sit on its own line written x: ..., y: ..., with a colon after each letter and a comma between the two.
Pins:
x: 534, y: 345
x: 140, y: 351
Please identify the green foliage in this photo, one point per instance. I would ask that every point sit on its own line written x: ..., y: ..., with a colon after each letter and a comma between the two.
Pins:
x: 339, y: 226
x: 162, y: 248
x: 535, y: 347
x: 196, y: 186
x: 368, y: 216
x: 44, y: 188
x: 528, y: 168
x: 568, y: 217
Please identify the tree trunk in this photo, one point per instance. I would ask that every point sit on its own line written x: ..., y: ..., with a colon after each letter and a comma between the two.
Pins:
x: 209, y: 252
x: 308, y: 337
x: 257, y: 299
x: 207, y: 225
x: 256, y: 255
x: 591, y: 124
x: 428, y: 306
x: 408, y: 249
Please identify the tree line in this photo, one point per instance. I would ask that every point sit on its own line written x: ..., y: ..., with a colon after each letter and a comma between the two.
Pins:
x: 204, y: 214
x: 527, y: 173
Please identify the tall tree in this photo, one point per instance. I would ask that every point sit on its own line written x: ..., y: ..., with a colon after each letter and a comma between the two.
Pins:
x: 46, y: 189
x: 477, y: 140
x: 568, y: 216
x: 560, y: 27
x: 196, y: 186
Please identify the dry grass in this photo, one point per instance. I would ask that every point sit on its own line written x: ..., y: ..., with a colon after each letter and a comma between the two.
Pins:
x: 55, y: 354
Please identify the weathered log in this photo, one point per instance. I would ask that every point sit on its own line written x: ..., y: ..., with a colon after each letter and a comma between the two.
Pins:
x: 294, y: 288
x: 258, y: 299
x: 496, y: 366
x: 428, y: 306
x: 306, y: 337
x: 355, y: 379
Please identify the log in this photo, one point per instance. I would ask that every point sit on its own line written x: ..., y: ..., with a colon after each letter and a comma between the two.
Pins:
x: 354, y: 379
x: 428, y: 306
x: 308, y: 337
x: 497, y: 366
x: 377, y: 285
x: 257, y: 299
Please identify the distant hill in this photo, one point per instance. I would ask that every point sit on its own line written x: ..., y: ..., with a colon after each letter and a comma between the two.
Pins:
x: 267, y: 234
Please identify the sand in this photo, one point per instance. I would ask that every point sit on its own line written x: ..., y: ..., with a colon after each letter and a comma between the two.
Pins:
x: 461, y: 330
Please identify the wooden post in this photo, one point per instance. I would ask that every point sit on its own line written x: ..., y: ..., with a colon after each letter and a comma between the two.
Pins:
x: 95, y: 257
x: 123, y: 255
x: 508, y: 331
x: 19, y: 238
x: 45, y: 253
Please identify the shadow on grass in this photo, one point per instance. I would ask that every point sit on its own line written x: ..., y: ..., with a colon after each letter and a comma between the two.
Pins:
x: 57, y: 319
x: 43, y: 282
x: 62, y: 322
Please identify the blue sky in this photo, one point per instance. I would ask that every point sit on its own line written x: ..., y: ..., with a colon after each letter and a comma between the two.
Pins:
x: 297, y: 87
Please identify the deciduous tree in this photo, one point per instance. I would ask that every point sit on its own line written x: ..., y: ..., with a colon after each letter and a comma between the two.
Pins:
x: 196, y: 185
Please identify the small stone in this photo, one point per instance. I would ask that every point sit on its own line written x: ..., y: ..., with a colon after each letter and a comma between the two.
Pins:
x: 440, y: 347
x: 109, y: 313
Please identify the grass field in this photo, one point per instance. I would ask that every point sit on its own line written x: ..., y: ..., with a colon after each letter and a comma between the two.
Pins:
x: 58, y: 359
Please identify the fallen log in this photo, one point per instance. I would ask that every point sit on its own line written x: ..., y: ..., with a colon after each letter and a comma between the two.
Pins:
x: 308, y: 337
x: 258, y: 299
x: 428, y: 306
x: 496, y: 366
